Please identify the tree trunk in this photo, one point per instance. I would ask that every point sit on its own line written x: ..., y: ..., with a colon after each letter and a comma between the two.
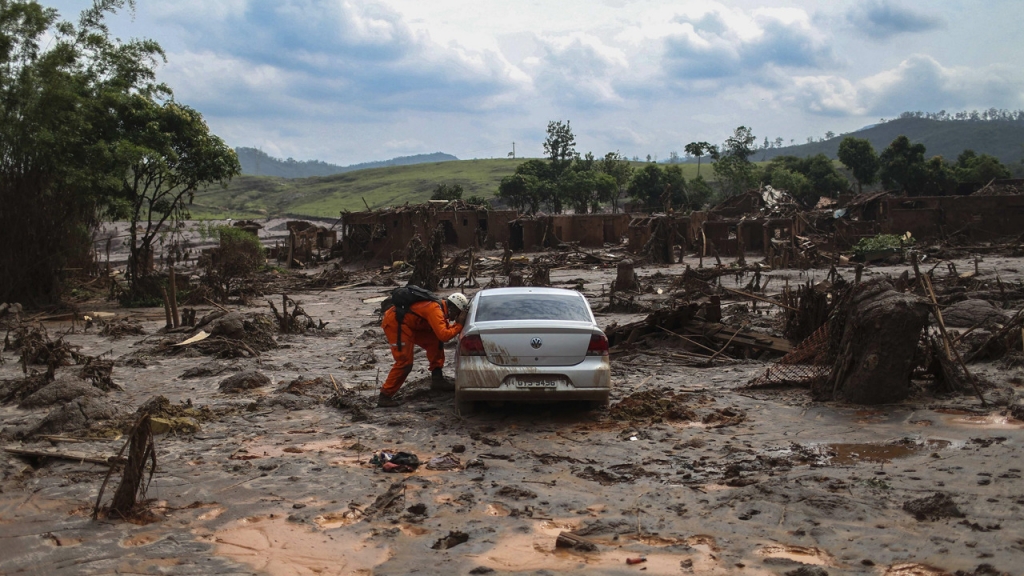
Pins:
x: 875, y: 355
x: 139, y: 452
x: 625, y: 277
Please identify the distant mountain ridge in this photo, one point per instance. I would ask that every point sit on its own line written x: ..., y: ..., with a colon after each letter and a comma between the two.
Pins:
x: 255, y: 162
x: 1003, y: 139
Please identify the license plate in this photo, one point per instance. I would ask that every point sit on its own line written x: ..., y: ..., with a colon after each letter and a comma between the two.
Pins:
x: 534, y: 383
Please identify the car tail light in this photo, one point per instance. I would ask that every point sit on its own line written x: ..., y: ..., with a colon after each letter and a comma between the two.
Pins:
x: 598, y: 345
x: 473, y: 345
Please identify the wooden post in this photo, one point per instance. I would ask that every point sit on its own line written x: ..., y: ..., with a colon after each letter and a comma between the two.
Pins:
x: 167, y: 308
x: 174, y: 298
x: 740, y: 245
x: 284, y: 313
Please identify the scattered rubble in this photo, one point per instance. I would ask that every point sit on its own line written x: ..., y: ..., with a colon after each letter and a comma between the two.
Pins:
x: 244, y: 381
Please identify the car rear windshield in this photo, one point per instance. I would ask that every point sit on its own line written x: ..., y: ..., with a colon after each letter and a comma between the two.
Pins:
x: 532, y: 307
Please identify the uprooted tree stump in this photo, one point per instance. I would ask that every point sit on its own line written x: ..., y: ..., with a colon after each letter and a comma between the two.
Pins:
x: 878, y: 330
x: 141, y: 450
x: 515, y: 278
x: 625, y: 277
x: 541, y: 276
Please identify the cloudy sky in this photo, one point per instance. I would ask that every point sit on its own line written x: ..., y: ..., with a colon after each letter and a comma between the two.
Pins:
x: 348, y: 81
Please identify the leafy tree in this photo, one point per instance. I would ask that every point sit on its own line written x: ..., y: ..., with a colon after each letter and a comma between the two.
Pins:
x: 578, y: 189
x: 795, y: 183
x: 699, y: 192
x: 860, y: 158
x: 650, y: 184
x: 560, y: 147
x: 606, y: 189
x: 698, y: 149
x: 819, y: 177
x: 733, y: 168
x: 940, y: 179
x: 62, y: 92
x: 520, y: 192
x: 621, y: 171
x: 902, y: 167
x: 478, y: 201
x: 167, y: 154
x: 447, y: 192
x: 971, y: 167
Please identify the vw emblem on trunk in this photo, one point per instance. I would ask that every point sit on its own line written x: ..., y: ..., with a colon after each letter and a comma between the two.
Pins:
x: 536, y: 342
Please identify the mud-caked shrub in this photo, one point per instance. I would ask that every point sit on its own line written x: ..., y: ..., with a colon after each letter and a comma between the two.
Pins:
x: 234, y: 265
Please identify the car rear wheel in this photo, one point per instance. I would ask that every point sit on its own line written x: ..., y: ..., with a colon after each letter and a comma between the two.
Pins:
x: 464, y: 407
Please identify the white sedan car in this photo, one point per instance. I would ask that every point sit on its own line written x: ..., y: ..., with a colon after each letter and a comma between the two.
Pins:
x: 531, y: 345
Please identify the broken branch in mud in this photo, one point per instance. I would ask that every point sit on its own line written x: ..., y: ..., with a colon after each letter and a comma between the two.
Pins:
x: 141, y: 450
x: 71, y: 456
x: 951, y: 351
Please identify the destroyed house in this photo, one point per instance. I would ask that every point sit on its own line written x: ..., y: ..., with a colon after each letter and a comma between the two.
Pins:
x: 586, y: 230
x: 307, y: 243
x: 748, y: 222
x: 979, y: 217
x: 385, y: 234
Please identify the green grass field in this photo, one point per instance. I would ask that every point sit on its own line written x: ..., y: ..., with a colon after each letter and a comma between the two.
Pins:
x: 254, y: 196
x: 262, y: 196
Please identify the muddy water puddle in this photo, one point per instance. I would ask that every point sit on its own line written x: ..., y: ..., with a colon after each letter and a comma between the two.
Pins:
x: 798, y: 554
x: 536, y: 550
x: 277, y: 547
x: 851, y: 453
x: 843, y: 454
x: 993, y: 421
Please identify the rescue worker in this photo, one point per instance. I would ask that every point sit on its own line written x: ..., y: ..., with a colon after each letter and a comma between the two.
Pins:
x: 426, y: 325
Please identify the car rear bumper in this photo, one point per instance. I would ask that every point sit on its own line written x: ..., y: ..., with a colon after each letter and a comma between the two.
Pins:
x: 476, y: 378
x: 539, y: 396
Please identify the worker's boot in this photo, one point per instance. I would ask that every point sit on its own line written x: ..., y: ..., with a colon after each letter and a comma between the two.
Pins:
x: 385, y: 401
x: 439, y: 383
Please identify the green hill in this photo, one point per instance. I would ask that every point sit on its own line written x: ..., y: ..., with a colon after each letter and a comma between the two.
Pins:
x: 1003, y: 139
x: 259, y: 196
x: 257, y: 163
x: 327, y: 196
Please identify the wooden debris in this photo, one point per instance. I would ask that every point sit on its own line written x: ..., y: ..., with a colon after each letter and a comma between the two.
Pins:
x: 89, y: 457
x: 574, y: 542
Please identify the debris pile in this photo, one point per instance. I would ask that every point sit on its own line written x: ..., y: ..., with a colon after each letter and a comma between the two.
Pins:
x: 117, y: 329
x: 37, y: 348
x: 225, y: 334
x: 664, y: 405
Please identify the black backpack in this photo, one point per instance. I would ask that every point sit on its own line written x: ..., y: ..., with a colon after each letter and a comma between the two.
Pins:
x: 402, y: 299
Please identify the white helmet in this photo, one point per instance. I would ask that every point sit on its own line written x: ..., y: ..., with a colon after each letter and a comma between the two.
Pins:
x: 459, y: 301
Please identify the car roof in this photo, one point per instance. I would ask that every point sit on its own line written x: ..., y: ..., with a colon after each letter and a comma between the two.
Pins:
x: 528, y: 290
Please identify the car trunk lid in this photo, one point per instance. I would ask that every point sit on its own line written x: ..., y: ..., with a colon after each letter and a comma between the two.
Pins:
x: 560, y: 344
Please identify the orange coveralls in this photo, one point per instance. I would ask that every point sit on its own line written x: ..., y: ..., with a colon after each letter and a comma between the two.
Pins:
x: 426, y: 326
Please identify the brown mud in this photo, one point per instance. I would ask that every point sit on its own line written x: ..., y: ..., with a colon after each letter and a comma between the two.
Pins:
x: 688, y: 469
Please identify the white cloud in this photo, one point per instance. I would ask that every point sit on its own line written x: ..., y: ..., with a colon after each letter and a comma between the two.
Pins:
x: 724, y: 47
x: 883, y: 19
x: 918, y: 83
